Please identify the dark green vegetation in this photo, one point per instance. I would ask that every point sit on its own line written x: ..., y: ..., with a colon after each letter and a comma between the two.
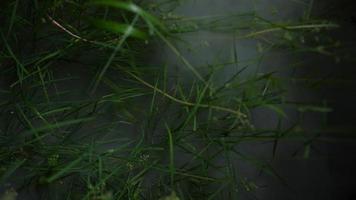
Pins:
x: 86, y: 115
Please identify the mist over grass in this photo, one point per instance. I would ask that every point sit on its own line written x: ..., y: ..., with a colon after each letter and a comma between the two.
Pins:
x: 90, y: 111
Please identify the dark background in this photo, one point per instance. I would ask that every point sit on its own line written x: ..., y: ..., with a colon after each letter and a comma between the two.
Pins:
x: 330, y: 172
x: 342, y: 98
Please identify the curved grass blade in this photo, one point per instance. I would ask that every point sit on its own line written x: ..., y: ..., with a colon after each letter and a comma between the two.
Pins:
x: 171, y: 155
x: 119, y: 28
x: 152, y: 22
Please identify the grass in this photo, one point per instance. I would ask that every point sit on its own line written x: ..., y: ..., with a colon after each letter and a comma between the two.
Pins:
x: 84, y: 116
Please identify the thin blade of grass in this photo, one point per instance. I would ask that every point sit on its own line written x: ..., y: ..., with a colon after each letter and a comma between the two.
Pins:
x: 100, y: 75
